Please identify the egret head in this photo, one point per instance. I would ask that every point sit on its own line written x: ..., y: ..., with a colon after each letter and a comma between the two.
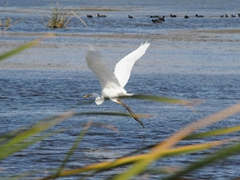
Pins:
x: 99, y: 100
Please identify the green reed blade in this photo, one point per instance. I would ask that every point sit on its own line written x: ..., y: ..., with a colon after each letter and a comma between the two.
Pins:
x: 19, y: 49
x: 163, y: 99
x: 214, y: 132
x: 98, y: 167
x: 73, y: 148
x: 22, y: 145
x: 112, y: 114
x: 226, y: 152
x: 35, y: 129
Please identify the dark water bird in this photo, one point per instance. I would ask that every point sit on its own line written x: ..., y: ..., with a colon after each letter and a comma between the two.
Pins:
x: 238, y: 14
x: 232, y: 15
x: 89, y: 16
x: 159, y: 20
x: 199, y: 16
x: 129, y: 16
x: 186, y: 16
x: 173, y: 15
x: 224, y: 16
x: 162, y: 18
x: 156, y: 21
x: 155, y: 16
x: 101, y: 15
x: 113, y: 82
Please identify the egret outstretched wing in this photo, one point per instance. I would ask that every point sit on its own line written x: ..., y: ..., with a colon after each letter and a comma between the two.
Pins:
x: 113, y: 83
x: 124, y: 67
x: 99, y: 67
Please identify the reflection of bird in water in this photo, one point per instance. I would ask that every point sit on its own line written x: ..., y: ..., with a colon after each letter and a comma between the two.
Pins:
x: 113, y: 83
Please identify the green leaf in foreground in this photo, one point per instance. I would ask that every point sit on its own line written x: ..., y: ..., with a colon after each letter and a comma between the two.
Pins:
x: 20, y: 49
x: 112, y: 114
x: 211, y: 133
x: 156, y: 152
x: 20, y: 141
x: 73, y: 148
x: 99, y: 167
x: 216, y: 132
x: 163, y: 99
x: 234, y: 149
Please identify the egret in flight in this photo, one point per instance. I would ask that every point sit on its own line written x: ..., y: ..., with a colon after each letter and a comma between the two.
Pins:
x: 112, y: 83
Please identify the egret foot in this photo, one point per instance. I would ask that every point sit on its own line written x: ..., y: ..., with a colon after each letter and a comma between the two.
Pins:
x: 131, y: 112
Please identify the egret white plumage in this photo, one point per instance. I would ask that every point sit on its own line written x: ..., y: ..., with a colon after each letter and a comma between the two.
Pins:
x: 113, y: 83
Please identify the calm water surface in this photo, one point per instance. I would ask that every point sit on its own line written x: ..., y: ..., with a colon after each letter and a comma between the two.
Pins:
x: 205, y: 68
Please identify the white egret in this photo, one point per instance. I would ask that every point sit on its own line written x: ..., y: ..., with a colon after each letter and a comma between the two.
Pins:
x: 112, y: 83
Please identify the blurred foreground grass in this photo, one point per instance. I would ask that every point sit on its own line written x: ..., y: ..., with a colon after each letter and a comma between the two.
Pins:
x: 140, y: 160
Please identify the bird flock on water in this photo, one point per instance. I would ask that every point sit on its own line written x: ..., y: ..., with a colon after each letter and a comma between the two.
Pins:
x: 160, y: 19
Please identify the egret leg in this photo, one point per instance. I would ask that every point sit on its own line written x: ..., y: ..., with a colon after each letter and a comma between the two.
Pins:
x: 131, y: 112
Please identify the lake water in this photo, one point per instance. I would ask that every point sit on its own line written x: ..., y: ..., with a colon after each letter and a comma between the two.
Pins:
x: 195, y: 58
x: 34, y: 14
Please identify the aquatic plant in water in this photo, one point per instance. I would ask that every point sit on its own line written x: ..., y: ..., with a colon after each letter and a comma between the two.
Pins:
x: 5, y: 23
x: 59, y: 19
